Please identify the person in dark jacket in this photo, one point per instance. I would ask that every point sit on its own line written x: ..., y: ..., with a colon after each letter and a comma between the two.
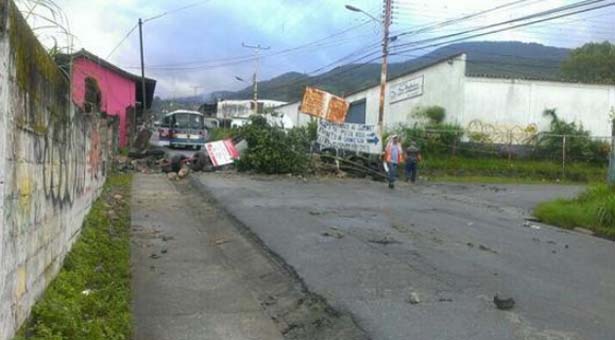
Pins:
x: 413, y: 157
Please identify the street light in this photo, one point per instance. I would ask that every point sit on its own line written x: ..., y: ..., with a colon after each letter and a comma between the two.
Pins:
x: 356, y: 9
x: 240, y: 79
x: 385, y: 52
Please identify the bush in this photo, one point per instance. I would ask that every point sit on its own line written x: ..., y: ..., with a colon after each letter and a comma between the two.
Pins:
x: 433, y: 139
x: 579, y: 146
x: 434, y: 114
x: 594, y: 209
x: 272, y: 150
x: 222, y: 133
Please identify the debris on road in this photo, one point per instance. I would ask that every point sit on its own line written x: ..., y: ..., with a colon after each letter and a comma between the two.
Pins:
x: 333, y: 232
x: 413, y: 299
x: 503, y: 303
x: 222, y: 241
x: 183, y: 172
x: 584, y: 231
x: 155, y: 256
x: 172, y: 176
x: 528, y: 224
x: 384, y: 241
x: 485, y: 248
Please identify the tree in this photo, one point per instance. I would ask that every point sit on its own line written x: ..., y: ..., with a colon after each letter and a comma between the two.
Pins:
x: 591, y: 63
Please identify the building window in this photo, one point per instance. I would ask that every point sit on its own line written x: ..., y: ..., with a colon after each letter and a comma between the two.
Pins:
x: 92, y: 96
x: 356, y: 112
x: 261, y: 107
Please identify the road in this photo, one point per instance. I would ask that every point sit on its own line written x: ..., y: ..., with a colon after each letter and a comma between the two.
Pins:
x: 367, y: 249
x: 197, y: 276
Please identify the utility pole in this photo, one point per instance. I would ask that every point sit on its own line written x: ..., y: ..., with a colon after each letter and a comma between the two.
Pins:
x: 143, y: 90
x: 611, y: 176
x: 383, y: 71
x: 196, y: 89
x: 257, y: 50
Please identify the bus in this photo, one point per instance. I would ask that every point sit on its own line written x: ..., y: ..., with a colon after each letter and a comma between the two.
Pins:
x: 183, y: 128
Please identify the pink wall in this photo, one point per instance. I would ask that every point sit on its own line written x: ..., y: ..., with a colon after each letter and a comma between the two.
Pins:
x: 118, y: 92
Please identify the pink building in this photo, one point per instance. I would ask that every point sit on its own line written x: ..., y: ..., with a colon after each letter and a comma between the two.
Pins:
x: 96, y: 82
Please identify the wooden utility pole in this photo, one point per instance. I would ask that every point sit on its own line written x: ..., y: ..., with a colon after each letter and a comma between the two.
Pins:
x: 143, y: 90
x: 611, y: 176
x: 383, y: 71
x: 257, y: 50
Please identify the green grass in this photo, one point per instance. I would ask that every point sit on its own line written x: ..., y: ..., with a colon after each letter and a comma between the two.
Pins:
x: 222, y: 133
x: 515, y: 171
x: 99, y: 262
x: 594, y: 210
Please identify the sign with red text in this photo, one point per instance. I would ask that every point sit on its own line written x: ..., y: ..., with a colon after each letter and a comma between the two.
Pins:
x: 222, y: 152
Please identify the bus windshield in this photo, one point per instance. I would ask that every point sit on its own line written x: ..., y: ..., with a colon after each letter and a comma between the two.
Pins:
x: 188, y: 121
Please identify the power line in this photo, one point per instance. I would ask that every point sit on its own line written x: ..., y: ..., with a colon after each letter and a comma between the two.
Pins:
x: 463, y: 18
x: 122, y: 41
x: 465, y: 38
x: 249, y: 58
x: 551, y: 11
x: 195, y: 4
x: 496, y: 31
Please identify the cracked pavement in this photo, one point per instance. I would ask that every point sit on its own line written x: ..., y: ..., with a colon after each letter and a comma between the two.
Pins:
x: 453, y: 245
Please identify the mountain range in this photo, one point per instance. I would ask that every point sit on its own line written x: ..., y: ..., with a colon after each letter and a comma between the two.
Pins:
x: 486, y: 58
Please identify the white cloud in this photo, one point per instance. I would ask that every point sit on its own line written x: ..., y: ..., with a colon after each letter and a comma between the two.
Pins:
x: 216, y: 28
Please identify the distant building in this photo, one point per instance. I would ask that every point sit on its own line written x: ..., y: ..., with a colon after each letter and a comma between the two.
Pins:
x: 476, y: 100
x: 96, y: 82
x: 244, y: 108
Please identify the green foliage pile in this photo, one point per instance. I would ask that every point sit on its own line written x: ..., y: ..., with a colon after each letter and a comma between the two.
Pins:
x: 431, y: 134
x: 222, y: 133
x: 99, y: 263
x: 591, y: 63
x: 273, y: 150
x: 579, y: 146
x: 594, y: 210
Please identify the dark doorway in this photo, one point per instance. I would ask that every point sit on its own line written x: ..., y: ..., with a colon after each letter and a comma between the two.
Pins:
x: 356, y: 112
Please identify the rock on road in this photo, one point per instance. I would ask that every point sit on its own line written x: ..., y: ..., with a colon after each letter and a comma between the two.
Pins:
x: 424, y: 262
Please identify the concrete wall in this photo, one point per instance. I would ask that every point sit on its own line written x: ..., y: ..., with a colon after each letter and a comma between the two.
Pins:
x: 442, y: 85
x: 521, y: 102
x: 118, y: 93
x: 496, y: 104
x: 52, y: 167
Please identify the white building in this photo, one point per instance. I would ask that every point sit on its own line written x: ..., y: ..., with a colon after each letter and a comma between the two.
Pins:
x: 244, y: 108
x: 472, y: 100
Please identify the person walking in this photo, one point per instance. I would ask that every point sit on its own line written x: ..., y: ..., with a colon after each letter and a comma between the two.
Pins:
x: 413, y: 157
x: 393, y: 156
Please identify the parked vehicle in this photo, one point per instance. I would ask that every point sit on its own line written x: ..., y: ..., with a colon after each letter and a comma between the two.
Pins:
x: 183, y: 128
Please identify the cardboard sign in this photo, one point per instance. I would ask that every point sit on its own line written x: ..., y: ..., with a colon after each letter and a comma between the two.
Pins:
x: 324, y: 105
x: 222, y: 152
x: 348, y: 136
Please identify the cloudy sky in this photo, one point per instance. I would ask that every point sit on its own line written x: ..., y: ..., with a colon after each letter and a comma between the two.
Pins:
x: 201, y: 44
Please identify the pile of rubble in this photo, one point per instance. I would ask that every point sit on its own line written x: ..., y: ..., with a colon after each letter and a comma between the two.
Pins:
x: 180, y: 166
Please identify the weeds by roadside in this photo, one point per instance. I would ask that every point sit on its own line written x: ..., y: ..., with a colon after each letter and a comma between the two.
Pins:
x: 594, y: 210
x: 90, y: 297
x: 524, y: 170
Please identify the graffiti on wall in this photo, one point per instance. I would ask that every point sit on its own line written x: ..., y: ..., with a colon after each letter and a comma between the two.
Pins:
x: 500, y: 133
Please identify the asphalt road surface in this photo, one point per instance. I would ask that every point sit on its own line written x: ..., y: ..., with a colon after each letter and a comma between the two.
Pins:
x: 368, y: 250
